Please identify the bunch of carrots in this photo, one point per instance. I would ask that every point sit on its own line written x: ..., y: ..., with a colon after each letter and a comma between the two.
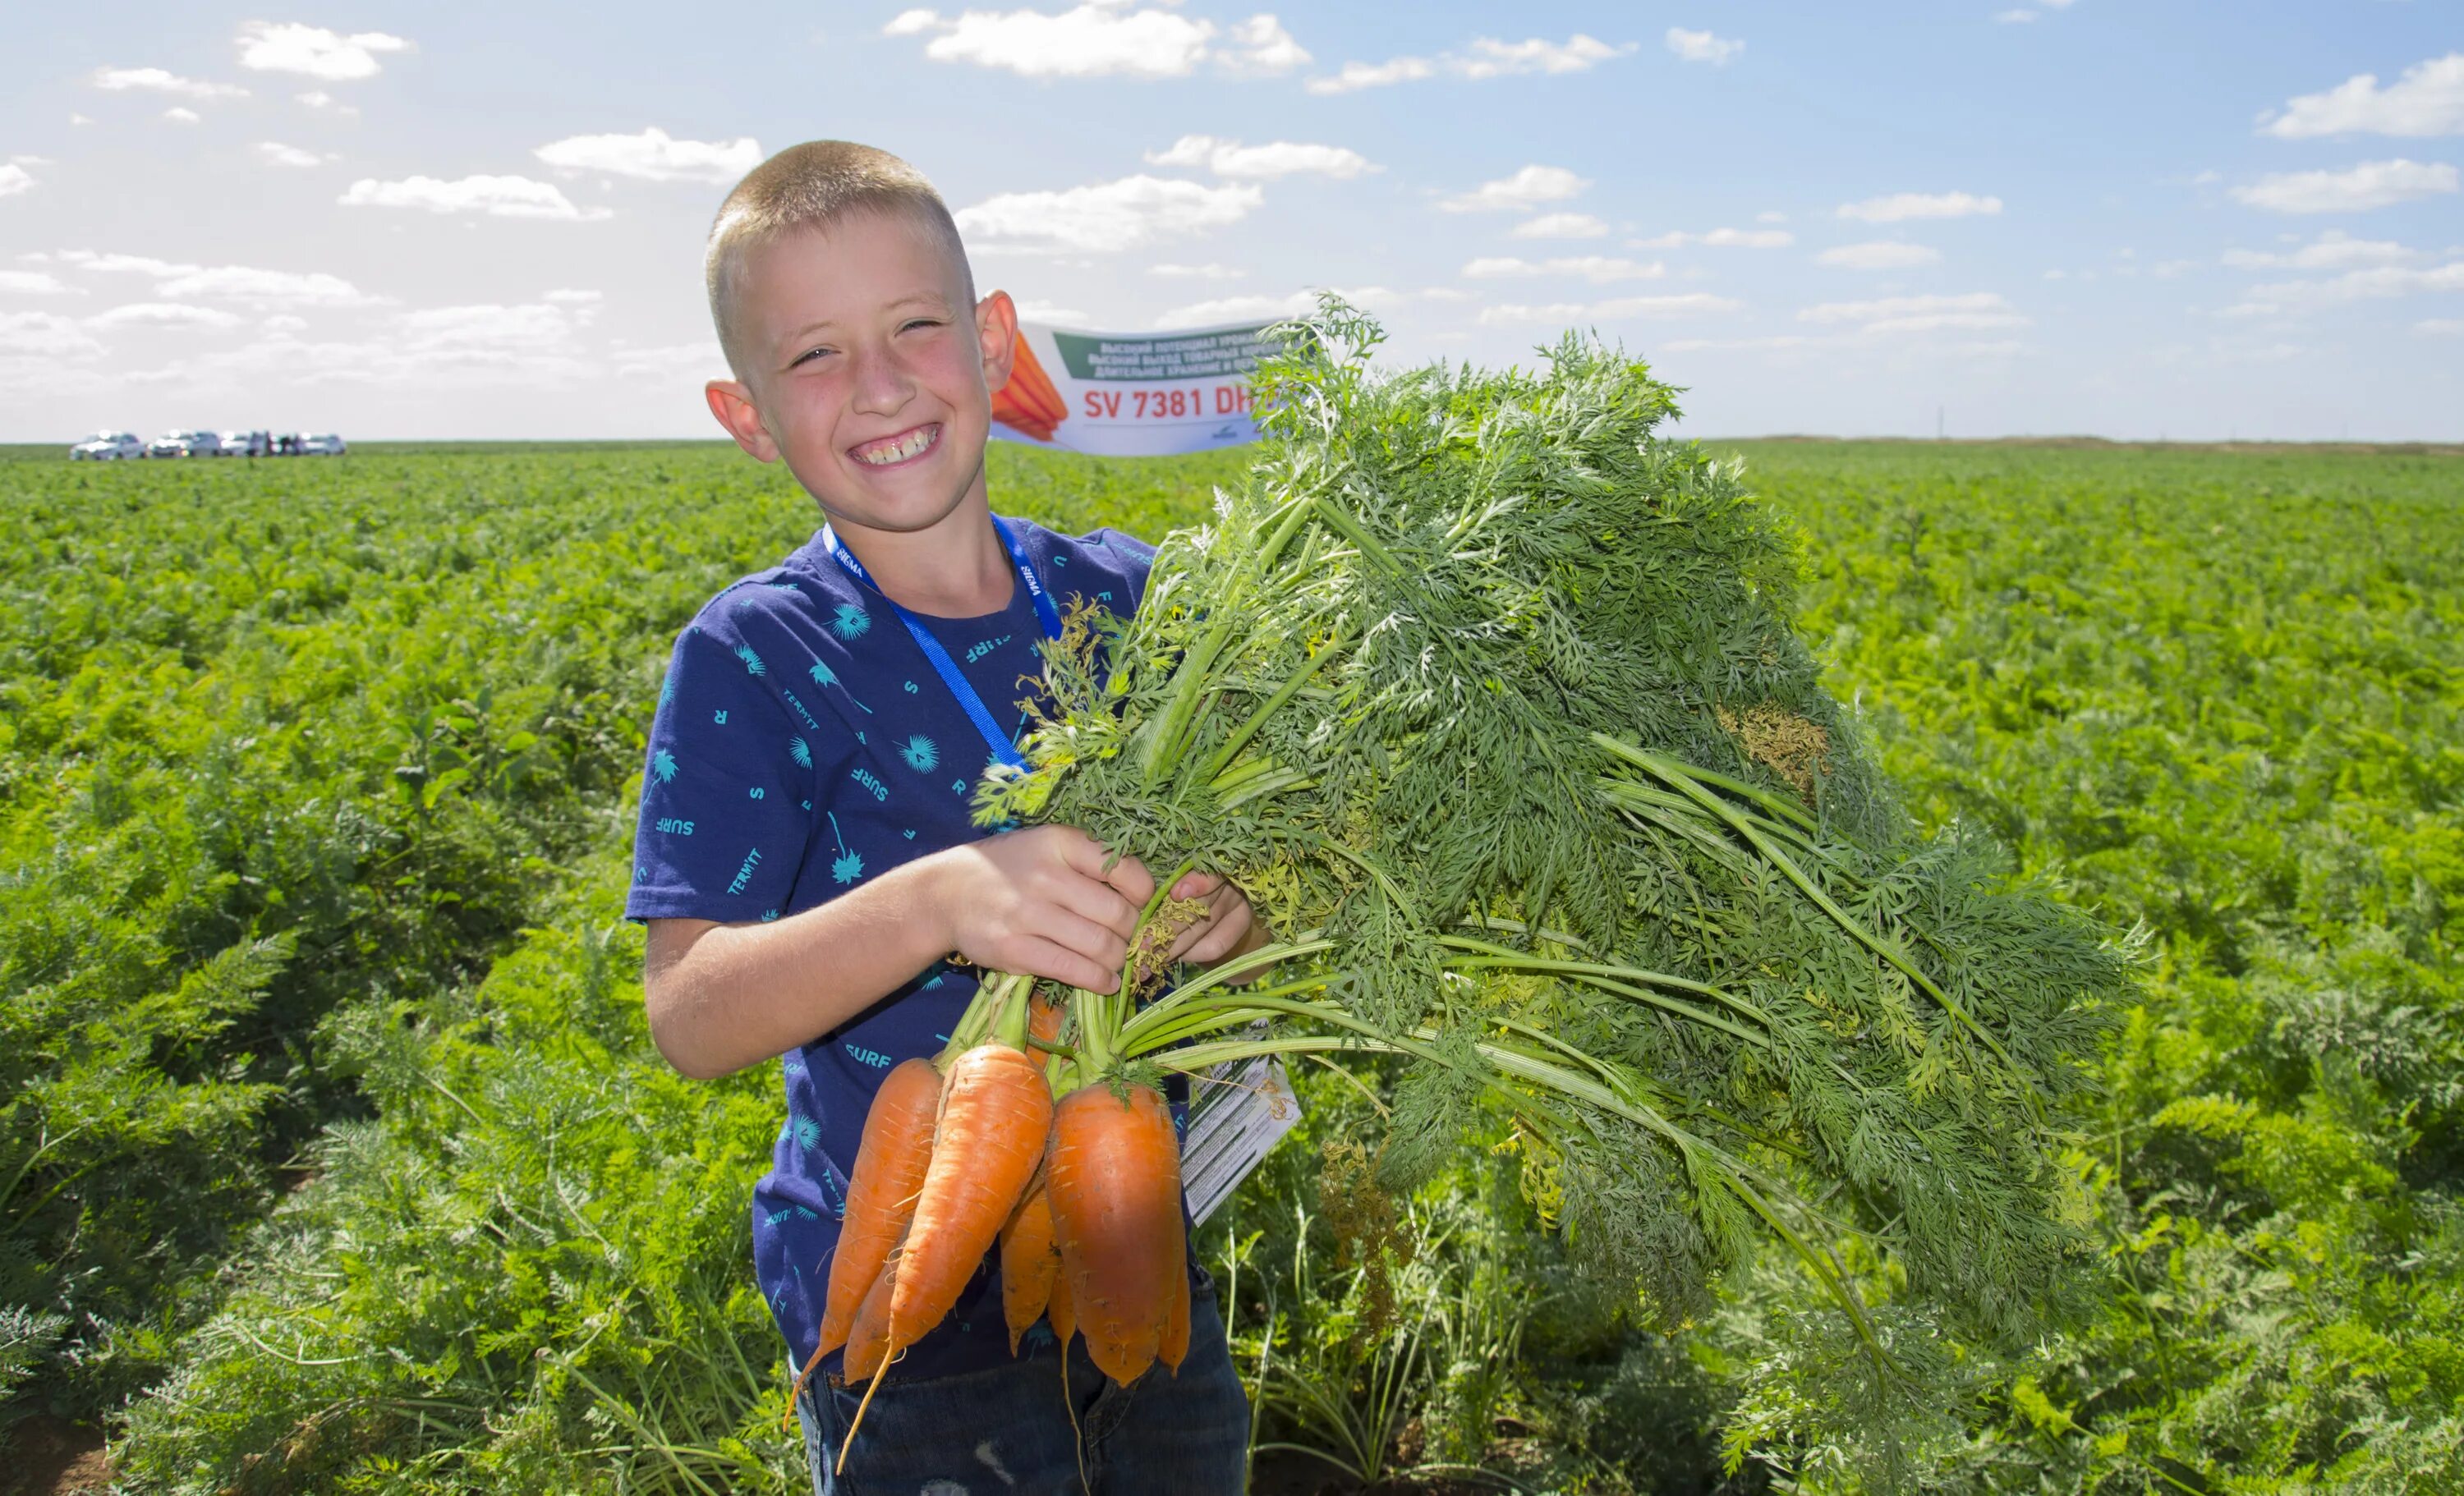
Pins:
x: 971, y: 1148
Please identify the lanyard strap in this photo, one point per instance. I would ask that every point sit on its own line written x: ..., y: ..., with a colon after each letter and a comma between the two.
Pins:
x: 937, y: 657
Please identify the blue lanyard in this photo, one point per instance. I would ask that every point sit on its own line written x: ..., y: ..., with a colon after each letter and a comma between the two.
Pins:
x: 939, y: 658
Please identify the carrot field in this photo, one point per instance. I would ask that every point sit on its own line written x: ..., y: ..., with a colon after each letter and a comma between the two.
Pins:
x: 336, y: 1156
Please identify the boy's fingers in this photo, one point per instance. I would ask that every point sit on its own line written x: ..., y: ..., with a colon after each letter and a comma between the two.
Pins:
x: 1041, y: 957
x: 1102, y: 903
x: 1131, y: 876
x: 1086, y: 937
x: 1197, y: 885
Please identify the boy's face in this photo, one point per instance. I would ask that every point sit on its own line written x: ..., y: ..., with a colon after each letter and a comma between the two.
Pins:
x: 866, y: 370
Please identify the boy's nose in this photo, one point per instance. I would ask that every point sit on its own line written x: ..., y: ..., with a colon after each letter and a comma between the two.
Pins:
x: 882, y: 386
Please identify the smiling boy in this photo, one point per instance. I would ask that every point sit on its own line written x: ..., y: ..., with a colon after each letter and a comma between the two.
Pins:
x: 805, y: 859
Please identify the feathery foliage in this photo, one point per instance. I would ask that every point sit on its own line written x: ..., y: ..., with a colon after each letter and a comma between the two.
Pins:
x: 1491, y: 696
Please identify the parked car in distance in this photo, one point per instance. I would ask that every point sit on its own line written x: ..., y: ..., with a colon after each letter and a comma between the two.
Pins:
x: 248, y: 444
x: 185, y: 443
x: 107, y: 447
x: 321, y: 444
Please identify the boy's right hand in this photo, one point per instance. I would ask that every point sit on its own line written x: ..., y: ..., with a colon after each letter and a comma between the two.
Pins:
x: 1041, y: 902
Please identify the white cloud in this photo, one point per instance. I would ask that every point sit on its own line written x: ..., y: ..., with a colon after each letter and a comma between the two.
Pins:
x: 497, y: 197
x: 155, y: 80
x: 1485, y: 58
x: 655, y: 156
x: 570, y: 297
x: 1976, y: 309
x: 1599, y: 270
x: 124, y: 264
x: 1259, y: 47
x: 1206, y: 272
x: 1353, y: 75
x: 313, y: 51
x: 1560, y: 226
x: 264, y: 287
x: 2440, y: 327
x: 1771, y: 217
x: 1704, y: 47
x: 2372, y: 183
x: 276, y: 153
x: 1879, y: 255
x: 179, y: 114
x: 1108, y: 216
x: 1528, y: 187
x: 1899, y: 206
x: 2334, y: 249
x: 1718, y: 239
x: 162, y: 314
x: 2015, y: 17
x: 283, y: 323
x: 2377, y: 283
x: 318, y: 99
x: 33, y: 338
x: 243, y: 284
x: 1032, y: 310
x: 1261, y: 163
x: 15, y: 179
x: 1490, y: 57
x: 33, y: 283
x: 1569, y: 313
x: 1098, y: 39
x: 1777, y: 344
x: 1265, y: 308
x: 2429, y: 99
x: 488, y: 327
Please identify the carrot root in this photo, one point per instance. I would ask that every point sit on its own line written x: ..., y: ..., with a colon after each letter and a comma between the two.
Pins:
x: 1114, y: 1175
x: 891, y: 1163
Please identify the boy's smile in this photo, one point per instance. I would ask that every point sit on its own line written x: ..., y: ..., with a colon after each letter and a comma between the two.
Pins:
x: 898, y: 451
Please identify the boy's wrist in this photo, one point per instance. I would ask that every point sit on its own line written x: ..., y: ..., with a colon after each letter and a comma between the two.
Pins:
x: 931, y: 875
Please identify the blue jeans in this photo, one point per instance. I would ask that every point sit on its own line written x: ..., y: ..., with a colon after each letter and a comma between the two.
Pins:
x: 1006, y: 1430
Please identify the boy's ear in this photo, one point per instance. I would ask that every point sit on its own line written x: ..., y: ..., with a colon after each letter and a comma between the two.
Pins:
x: 733, y: 404
x: 997, y: 334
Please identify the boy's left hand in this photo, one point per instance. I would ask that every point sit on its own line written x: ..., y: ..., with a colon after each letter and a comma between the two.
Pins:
x: 1230, y: 927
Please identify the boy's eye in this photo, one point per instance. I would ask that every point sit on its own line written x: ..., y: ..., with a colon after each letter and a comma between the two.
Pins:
x: 919, y: 321
x: 806, y: 356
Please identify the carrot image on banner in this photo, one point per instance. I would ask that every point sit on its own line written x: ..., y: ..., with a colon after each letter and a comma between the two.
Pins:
x: 1129, y: 394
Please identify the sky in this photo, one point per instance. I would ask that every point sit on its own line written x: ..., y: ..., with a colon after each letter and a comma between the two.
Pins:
x: 2151, y: 220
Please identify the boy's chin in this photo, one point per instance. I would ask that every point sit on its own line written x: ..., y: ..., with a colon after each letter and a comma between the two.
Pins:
x: 924, y: 505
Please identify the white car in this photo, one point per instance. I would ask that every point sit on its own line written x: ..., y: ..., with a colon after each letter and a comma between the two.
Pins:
x: 185, y: 443
x: 247, y: 444
x: 107, y: 447
x: 321, y: 444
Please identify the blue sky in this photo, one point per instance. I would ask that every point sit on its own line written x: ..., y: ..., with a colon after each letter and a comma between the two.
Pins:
x: 438, y: 221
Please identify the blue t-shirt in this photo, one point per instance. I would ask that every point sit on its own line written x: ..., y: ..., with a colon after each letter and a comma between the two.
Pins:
x: 804, y: 744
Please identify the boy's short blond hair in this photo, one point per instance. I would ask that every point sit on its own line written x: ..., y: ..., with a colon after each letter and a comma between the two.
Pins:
x: 814, y: 186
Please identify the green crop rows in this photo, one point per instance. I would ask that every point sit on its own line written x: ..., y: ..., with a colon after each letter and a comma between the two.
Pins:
x: 334, y: 1155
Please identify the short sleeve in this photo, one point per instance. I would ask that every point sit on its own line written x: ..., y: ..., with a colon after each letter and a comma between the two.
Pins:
x: 727, y: 794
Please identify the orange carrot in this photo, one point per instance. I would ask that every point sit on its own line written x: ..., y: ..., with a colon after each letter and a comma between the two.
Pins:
x: 1112, y: 1170
x: 1064, y: 1314
x: 1029, y: 1264
x: 1174, y: 1346
x: 995, y: 1110
x: 890, y: 1166
x: 868, y: 1343
x: 1043, y: 1019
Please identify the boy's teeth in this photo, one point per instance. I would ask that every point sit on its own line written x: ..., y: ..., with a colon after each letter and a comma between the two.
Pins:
x: 899, y: 450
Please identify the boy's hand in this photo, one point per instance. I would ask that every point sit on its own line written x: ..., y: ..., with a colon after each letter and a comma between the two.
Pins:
x: 1230, y: 927
x: 1042, y: 902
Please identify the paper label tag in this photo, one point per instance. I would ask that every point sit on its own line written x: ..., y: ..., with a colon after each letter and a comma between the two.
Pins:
x: 1238, y: 1112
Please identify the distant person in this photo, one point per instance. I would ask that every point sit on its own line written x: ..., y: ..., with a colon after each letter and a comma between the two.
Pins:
x: 806, y: 861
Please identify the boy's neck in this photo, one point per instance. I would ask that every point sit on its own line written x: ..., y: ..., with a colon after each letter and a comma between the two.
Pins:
x: 955, y: 568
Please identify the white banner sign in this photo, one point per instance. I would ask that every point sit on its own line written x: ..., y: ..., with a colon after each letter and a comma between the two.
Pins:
x: 1129, y: 394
